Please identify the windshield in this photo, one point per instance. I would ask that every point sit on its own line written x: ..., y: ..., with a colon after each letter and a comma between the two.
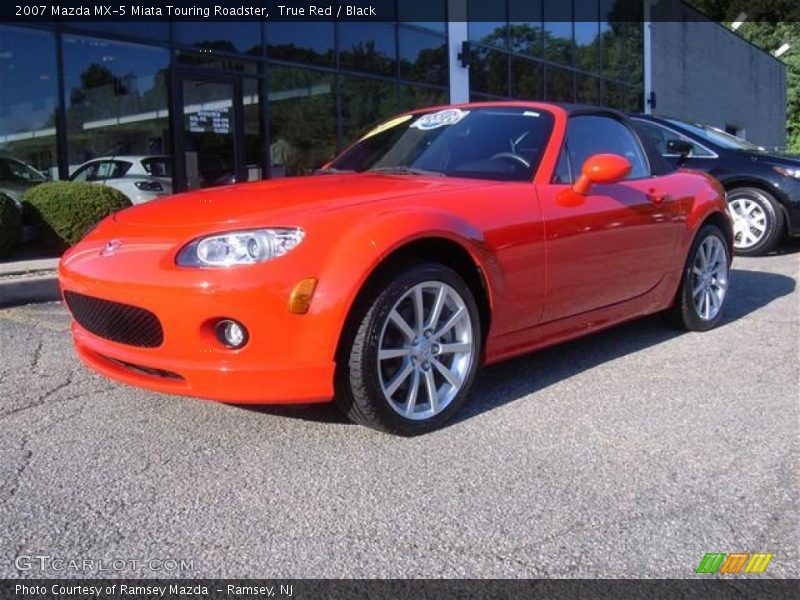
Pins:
x: 717, y: 136
x: 496, y: 143
x: 14, y: 170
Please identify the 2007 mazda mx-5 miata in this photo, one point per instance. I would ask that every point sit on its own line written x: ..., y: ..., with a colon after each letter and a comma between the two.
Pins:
x: 443, y: 239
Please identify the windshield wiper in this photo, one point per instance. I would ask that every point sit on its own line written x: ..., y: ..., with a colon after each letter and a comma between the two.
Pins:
x: 331, y: 171
x: 403, y: 170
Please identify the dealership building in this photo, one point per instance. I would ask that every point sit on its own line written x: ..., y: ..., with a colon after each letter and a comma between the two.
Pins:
x: 255, y: 99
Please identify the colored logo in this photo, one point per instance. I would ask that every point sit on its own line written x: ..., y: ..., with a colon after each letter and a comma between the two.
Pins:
x: 734, y: 563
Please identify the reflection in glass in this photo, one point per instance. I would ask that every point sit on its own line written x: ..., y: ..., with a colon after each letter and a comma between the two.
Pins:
x: 588, y: 89
x: 415, y: 96
x: 558, y: 31
x: 487, y: 22
x: 559, y: 86
x: 587, y: 45
x: 309, y: 42
x: 27, y: 108
x: 242, y: 37
x: 147, y: 30
x: 488, y: 71
x: 302, y: 116
x: 254, y: 149
x: 525, y: 27
x: 423, y: 57
x: 209, y: 133
x: 364, y: 102
x: 527, y: 79
x: 368, y: 46
x: 116, y: 97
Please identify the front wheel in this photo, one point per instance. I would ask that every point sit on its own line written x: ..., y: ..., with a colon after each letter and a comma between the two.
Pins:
x: 411, y: 360
x: 704, y: 286
x: 757, y: 221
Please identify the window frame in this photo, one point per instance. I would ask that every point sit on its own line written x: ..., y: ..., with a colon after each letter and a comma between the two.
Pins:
x: 712, y: 155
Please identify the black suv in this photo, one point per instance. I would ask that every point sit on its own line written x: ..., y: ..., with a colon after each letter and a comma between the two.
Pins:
x: 763, y: 188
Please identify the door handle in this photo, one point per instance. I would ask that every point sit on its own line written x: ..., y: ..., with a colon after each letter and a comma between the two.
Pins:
x: 657, y: 197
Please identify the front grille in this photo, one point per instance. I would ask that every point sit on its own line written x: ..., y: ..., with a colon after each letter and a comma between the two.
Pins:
x: 114, y: 321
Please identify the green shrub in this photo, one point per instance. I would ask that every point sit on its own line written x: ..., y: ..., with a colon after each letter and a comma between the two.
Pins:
x: 10, y: 224
x: 63, y: 211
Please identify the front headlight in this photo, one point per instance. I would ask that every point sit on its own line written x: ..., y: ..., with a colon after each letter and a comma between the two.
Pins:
x: 787, y: 171
x: 239, y: 247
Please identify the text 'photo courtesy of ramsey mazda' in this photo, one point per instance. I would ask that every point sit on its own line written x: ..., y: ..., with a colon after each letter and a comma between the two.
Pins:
x: 442, y: 240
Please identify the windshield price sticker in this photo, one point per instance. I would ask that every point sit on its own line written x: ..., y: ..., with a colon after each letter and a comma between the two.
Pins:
x: 449, y: 116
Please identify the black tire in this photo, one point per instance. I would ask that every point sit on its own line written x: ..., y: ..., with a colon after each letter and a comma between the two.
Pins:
x: 775, y: 222
x: 358, y: 392
x: 684, y: 314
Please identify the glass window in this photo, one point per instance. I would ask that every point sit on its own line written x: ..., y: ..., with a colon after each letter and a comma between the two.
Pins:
x: 525, y: 27
x: 218, y: 61
x: 496, y: 143
x: 116, y: 99
x: 310, y: 42
x: 558, y: 31
x: 560, y: 86
x: 527, y: 79
x: 302, y: 115
x: 416, y: 96
x: 488, y: 71
x: 254, y: 145
x: 365, y: 102
x: 614, y: 95
x: 587, y: 90
x: 588, y: 135
x: 28, y: 102
x: 434, y: 13
x: 587, y: 42
x: 717, y: 136
x: 102, y: 170
x: 368, y: 46
x: 423, y: 57
x: 158, y: 166
x: 149, y: 30
x: 488, y: 22
x: 242, y: 37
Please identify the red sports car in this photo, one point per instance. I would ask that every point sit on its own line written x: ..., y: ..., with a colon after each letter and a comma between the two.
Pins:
x: 443, y: 239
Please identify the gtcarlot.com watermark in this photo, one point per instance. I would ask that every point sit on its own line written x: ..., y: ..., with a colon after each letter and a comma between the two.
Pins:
x: 44, y: 562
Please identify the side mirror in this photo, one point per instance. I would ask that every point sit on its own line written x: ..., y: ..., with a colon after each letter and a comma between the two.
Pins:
x: 601, y: 168
x: 680, y: 147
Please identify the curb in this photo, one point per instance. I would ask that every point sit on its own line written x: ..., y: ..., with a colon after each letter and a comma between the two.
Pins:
x: 32, y: 287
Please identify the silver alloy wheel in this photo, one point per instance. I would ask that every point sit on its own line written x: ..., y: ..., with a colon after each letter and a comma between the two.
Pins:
x: 749, y: 219
x: 710, y: 277
x: 425, y: 351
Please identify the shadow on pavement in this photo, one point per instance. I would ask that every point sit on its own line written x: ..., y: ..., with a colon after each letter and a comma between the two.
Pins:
x: 510, y: 380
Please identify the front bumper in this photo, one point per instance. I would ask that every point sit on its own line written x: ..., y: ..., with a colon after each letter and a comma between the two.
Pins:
x: 287, y: 359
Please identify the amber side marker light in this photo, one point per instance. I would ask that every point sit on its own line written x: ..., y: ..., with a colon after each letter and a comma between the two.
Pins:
x: 300, y: 298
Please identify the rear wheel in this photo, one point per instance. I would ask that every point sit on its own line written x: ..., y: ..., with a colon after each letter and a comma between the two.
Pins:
x: 411, y: 360
x: 757, y: 221
x: 704, y: 286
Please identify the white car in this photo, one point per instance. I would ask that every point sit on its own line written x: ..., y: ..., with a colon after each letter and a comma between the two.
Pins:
x: 140, y: 178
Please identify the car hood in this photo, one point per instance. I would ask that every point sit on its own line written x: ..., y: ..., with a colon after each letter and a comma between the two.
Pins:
x: 778, y: 158
x: 281, y: 202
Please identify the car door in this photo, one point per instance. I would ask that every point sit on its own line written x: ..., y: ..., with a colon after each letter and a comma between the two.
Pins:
x: 614, y: 243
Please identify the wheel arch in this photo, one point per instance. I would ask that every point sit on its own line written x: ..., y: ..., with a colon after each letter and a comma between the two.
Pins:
x: 743, y: 182
x: 719, y: 220
x: 430, y: 248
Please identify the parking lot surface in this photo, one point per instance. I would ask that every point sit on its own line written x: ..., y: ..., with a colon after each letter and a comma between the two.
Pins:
x: 630, y: 453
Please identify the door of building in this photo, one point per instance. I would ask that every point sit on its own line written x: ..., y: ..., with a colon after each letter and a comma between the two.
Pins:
x: 209, y: 140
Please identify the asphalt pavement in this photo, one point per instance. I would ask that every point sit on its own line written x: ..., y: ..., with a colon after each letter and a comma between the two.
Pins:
x: 631, y: 453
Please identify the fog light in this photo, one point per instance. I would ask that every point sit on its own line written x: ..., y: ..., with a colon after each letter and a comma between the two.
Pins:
x: 231, y: 333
